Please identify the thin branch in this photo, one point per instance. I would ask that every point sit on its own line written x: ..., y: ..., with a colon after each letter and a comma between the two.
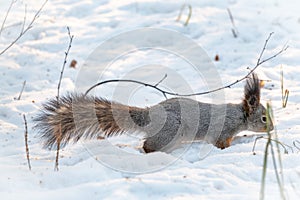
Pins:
x: 29, y: 26
x: 284, y: 146
x: 296, y: 144
x: 65, y: 61
x: 284, y: 48
x: 58, y: 136
x: 254, y: 145
x: 234, y: 30
x: 58, y: 139
x: 284, y: 93
x: 26, y: 142
x: 159, y: 82
x: 130, y: 81
x: 25, y: 15
x: 21, y: 92
x: 6, y: 15
x: 259, y: 62
x: 164, y: 92
x: 189, y: 15
x: 264, y: 48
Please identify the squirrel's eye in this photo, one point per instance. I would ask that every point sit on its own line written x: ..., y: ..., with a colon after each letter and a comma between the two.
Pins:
x: 264, y: 119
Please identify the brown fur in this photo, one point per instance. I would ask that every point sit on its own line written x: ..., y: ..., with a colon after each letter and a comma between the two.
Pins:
x: 251, y: 94
x: 86, y: 117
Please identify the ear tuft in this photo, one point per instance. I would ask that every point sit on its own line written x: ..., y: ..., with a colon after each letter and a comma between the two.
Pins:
x: 252, y: 94
x: 252, y: 101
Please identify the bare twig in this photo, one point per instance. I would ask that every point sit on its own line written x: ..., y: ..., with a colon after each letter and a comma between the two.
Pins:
x: 58, y: 138
x: 284, y: 48
x: 189, y: 15
x: 25, y: 15
x: 164, y: 92
x: 254, y: 145
x: 26, y: 142
x: 130, y: 81
x: 6, y: 15
x: 65, y: 61
x: 284, y: 146
x: 28, y: 27
x: 159, y: 82
x: 21, y: 92
x: 58, y: 135
x: 284, y: 93
x: 233, y: 29
x: 296, y: 144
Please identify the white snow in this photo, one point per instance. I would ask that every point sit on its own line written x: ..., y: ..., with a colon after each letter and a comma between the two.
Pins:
x: 198, y: 172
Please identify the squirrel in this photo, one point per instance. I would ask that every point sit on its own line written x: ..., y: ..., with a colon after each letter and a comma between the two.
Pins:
x: 163, y: 126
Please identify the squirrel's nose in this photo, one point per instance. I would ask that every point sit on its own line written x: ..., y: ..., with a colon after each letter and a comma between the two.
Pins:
x: 270, y: 127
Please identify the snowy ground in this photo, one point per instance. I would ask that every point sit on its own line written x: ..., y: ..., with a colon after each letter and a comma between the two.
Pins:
x: 233, y: 173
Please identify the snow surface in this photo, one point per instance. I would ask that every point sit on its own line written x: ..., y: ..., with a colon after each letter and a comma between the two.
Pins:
x: 233, y: 173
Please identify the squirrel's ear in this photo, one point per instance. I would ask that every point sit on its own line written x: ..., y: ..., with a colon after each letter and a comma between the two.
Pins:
x: 252, y: 94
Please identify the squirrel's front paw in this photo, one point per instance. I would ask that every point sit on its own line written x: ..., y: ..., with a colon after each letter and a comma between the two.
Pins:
x: 222, y: 144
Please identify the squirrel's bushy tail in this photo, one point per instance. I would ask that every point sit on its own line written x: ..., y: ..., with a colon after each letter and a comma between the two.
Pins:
x: 77, y: 116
